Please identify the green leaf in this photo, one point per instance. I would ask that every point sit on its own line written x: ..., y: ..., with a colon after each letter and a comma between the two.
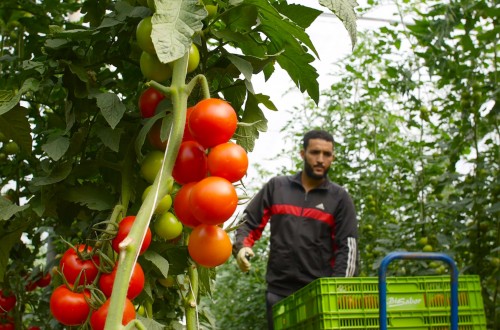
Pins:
x: 253, y: 115
x: 8, y: 209
x: 111, y: 108
x: 9, y: 100
x: 150, y: 324
x: 344, y: 10
x: 56, y: 146
x: 8, y: 239
x: 58, y: 174
x: 14, y: 125
x: 94, y: 197
x: 245, y: 67
x: 174, y: 24
x: 158, y: 261
x: 301, y: 15
x: 109, y: 137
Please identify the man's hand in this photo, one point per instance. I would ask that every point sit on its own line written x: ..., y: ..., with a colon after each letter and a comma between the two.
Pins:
x: 242, y: 258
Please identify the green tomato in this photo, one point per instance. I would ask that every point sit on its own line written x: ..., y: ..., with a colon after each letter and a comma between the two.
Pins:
x: 163, y: 205
x: 153, y: 69
x: 151, y: 165
x: 212, y: 10
x: 423, y: 241
x: 167, y: 282
x: 10, y: 148
x: 3, y: 156
x: 167, y: 226
x: 143, y: 35
x: 194, y: 58
x: 427, y: 248
x: 3, y: 138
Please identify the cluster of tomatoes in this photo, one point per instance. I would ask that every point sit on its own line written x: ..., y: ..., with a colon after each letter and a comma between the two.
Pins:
x: 206, y: 167
x: 84, y: 297
x: 8, y: 300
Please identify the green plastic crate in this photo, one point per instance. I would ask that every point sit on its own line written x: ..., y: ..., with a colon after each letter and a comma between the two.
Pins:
x: 417, y: 300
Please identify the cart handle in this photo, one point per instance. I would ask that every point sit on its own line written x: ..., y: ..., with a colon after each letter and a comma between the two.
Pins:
x: 382, y: 284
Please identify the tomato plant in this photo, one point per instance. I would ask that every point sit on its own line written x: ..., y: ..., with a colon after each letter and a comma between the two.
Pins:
x: 151, y: 165
x: 209, y: 245
x: 212, y: 122
x: 167, y: 226
x: 228, y: 160
x: 148, y: 101
x: 213, y: 200
x: 78, y: 261
x: 7, y: 302
x: 181, y: 206
x: 191, y: 163
x: 135, y: 286
x: 98, y: 317
x: 68, y: 307
x: 143, y: 35
x: 124, y: 229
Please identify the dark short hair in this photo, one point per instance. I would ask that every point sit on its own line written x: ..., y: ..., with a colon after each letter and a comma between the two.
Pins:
x: 317, y: 134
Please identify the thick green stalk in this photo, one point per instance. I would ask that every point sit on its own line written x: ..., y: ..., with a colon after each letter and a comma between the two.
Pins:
x: 190, y: 304
x: 129, y: 247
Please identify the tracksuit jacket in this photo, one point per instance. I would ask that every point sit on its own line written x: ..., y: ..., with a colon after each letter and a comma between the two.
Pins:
x: 313, y: 234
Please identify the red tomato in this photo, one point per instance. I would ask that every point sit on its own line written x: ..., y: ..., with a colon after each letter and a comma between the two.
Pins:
x: 154, y: 137
x: 44, y: 280
x: 212, y: 122
x: 7, y: 302
x: 33, y: 327
x: 135, y: 286
x: 68, y: 307
x: 148, y: 101
x: 213, y: 200
x: 228, y: 160
x: 8, y: 326
x: 191, y: 163
x: 71, y: 265
x: 98, y: 318
x: 209, y: 245
x: 181, y: 206
x: 123, y: 229
x: 187, y: 134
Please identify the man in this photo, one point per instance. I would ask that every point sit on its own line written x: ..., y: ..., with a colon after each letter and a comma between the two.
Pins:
x: 313, y: 225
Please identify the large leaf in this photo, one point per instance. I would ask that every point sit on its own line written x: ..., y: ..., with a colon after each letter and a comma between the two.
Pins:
x: 111, y: 107
x: 8, y: 239
x: 56, y: 146
x: 344, y: 10
x: 14, y: 125
x: 92, y: 196
x: 8, y: 209
x: 158, y: 261
x: 174, y: 24
x: 9, y: 100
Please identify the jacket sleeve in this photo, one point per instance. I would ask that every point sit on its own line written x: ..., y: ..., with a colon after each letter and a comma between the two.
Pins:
x: 346, y: 239
x: 255, y: 218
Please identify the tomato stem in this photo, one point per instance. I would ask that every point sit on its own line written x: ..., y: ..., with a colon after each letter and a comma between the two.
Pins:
x: 129, y: 247
x: 191, y: 298
x: 202, y: 80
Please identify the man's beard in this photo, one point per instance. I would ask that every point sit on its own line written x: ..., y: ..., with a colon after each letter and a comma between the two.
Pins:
x: 310, y: 172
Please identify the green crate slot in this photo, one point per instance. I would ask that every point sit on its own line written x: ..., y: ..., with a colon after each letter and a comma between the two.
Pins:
x: 420, y: 302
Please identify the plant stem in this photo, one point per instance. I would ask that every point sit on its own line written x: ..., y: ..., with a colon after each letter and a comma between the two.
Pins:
x: 129, y: 247
x: 190, y: 302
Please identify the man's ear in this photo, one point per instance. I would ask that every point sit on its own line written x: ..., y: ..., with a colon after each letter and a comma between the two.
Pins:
x: 302, y: 153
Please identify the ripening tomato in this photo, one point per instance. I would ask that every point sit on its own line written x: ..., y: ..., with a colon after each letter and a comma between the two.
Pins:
x: 135, y: 285
x: 154, y: 137
x: 212, y: 122
x: 228, y: 160
x: 81, y: 264
x: 148, y: 101
x: 151, y: 165
x: 43, y: 281
x: 187, y: 134
x: 213, y: 200
x: 191, y: 163
x: 68, y: 307
x: 123, y: 229
x: 167, y: 226
x: 181, y: 206
x: 7, y: 302
x: 209, y: 245
x: 98, y: 318
x: 7, y: 326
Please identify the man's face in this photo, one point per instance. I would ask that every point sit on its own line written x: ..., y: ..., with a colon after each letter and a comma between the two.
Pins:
x: 317, y: 158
